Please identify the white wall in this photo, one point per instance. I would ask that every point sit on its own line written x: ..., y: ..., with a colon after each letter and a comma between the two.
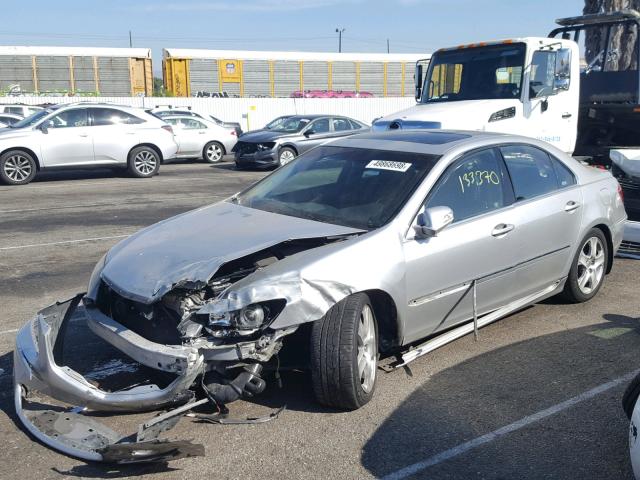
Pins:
x: 251, y: 113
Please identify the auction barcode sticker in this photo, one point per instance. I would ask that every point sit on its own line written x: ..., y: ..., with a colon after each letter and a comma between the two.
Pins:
x: 389, y: 165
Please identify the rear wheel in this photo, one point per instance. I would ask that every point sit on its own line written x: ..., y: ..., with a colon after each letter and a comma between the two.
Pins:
x: 17, y: 167
x: 588, y: 269
x: 144, y: 162
x: 213, y: 152
x: 344, y: 354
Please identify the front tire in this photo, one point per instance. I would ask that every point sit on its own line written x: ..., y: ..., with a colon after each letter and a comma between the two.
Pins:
x: 344, y: 354
x: 213, y: 152
x: 144, y: 162
x: 17, y: 167
x: 588, y: 268
x: 286, y: 155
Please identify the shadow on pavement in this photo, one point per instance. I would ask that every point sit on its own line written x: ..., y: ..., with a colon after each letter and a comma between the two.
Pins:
x: 502, y: 386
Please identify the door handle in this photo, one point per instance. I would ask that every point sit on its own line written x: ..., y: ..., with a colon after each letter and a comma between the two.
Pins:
x: 571, y: 206
x: 502, y: 229
x: 202, y: 133
x: 83, y: 134
x: 566, y: 115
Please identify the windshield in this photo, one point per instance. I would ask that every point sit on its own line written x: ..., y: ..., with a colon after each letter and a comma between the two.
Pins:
x: 354, y: 187
x: 31, y: 119
x: 292, y: 125
x: 475, y: 73
x: 275, y: 123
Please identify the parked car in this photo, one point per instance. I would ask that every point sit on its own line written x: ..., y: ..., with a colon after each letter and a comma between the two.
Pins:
x: 295, y: 135
x: 166, y: 111
x: 20, y: 109
x: 7, y: 119
x: 358, y: 248
x: 631, y: 407
x: 84, y: 135
x: 201, y: 138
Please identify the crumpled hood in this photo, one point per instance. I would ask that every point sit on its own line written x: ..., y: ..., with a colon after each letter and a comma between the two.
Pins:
x: 259, y: 136
x: 190, y: 248
x: 462, y: 115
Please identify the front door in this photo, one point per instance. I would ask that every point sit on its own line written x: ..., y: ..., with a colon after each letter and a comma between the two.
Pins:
x: 318, y: 132
x: 68, y: 139
x: 479, y: 245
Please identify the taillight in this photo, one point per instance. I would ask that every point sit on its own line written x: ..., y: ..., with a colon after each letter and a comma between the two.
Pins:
x: 621, y: 193
x: 168, y: 128
x: 234, y: 133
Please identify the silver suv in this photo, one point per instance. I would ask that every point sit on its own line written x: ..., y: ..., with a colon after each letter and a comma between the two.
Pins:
x: 85, y: 135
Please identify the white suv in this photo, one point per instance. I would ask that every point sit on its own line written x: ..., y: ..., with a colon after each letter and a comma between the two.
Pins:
x: 85, y: 135
x: 20, y: 109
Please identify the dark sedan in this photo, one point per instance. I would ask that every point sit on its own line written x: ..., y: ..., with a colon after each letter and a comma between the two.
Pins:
x: 296, y: 135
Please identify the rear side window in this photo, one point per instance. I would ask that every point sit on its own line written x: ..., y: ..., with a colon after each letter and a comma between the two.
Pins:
x: 111, y: 116
x: 475, y: 185
x: 14, y: 110
x: 566, y: 178
x: 531, y: 170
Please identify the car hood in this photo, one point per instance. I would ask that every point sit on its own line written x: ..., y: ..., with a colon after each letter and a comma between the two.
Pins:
x: 461, y: 115
x: 260, y: 136
x: 11, y: 133
x: 189, y: 249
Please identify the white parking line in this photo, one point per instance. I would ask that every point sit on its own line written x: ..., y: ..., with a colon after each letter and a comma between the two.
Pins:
x: 65, y: 242
x: 496, y: 434
x: 5, y: 332
x: 76, y: 183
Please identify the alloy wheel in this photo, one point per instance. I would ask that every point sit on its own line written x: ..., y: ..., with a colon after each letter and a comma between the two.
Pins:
x: 18, y: 168
x: 214, y: 153
x: 286, y: 157
x: 145, y: 162
x: 367, y: 349
x: 590, y: 265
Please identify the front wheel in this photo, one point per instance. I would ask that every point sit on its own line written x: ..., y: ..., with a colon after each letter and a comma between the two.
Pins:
x: 286, y: 155
x: 213, y: 152
x: 588, y: 268
x: 17, y: 167
x: 144, y: 162
x: 344, y: 354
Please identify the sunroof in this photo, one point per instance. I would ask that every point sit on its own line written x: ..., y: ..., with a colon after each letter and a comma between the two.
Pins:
x: 417, y: 136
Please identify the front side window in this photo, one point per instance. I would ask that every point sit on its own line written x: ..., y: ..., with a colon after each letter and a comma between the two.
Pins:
x: 532, y: 173
x: 474, y: 186
x: 70, y: 118
x: 543, y: 67
x: 477, y: 73
x: 355, y: 187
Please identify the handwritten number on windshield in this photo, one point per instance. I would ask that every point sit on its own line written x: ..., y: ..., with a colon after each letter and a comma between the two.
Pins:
x: 478, y: 178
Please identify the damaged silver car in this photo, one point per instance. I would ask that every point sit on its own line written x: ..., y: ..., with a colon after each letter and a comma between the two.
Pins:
x: 364, y: 247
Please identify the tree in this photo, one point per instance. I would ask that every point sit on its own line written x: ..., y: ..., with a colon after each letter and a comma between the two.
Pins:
x: 623, y: 45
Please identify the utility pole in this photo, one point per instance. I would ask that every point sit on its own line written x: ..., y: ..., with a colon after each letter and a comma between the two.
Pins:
x: 388, y: 50
x: 339, y: 32
x: 130, y: 40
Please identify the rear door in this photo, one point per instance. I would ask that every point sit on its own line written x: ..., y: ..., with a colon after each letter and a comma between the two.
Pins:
x: 68, y: 139
x: 478, y: 245
x: 549, y: 214
x: 193, y: 135
x: 114, y: 134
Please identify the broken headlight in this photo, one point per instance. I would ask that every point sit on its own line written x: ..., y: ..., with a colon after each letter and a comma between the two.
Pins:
x: 263, y: 147
x: 244, y: 321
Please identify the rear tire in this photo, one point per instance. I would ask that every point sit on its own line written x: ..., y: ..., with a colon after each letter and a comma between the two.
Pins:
x: 17, y: 167
x: 144, y: 162
x: 213, y: 152
x: 588, y: 268
x: 344, y: 354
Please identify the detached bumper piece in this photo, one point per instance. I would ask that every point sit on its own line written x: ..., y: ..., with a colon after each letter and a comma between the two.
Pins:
x: 80, y: 436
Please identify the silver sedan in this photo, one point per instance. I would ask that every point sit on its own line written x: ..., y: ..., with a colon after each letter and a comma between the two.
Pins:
x: 201, y: 138
x: 356, y: 249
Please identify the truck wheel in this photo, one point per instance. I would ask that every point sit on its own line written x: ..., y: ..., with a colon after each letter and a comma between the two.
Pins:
x: 286, y: 155
x: 17, y: 167
x: 588, y: 268
x: 213, y: 152
x: 344, y: 354
x: 144, y: 162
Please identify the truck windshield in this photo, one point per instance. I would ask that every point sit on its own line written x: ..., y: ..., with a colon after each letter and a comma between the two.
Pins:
x: 477, y: 73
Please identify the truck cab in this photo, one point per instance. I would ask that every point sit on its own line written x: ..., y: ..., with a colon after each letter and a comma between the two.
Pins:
x: 522, y: 86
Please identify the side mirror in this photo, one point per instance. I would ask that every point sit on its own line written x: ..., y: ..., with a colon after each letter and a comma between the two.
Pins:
x: 562, y: 73
x: 44, y: 126
x: 561, y: 84
x: 418, y: 81
x: 432, y: 221
x: 309, y: 132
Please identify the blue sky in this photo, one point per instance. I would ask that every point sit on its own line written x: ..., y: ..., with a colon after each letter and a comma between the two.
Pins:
x: 410, y: 25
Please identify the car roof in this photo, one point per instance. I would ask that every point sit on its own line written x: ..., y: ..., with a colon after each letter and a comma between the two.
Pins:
x: 434, y: 142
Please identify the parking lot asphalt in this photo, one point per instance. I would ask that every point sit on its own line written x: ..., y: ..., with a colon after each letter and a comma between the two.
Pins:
x: 553, y: 374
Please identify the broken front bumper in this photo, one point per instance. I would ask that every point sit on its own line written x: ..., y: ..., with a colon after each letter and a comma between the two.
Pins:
x: 35, y: 369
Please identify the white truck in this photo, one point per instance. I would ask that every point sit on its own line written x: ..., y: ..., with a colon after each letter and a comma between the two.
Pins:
x: 577, y: 89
